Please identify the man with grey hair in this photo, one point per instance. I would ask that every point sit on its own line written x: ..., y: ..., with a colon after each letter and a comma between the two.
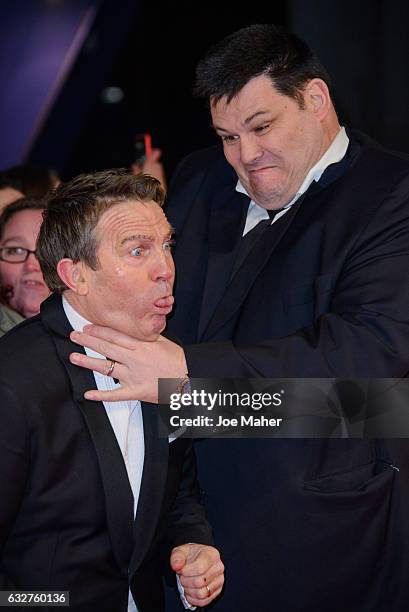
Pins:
x: 93, y: 501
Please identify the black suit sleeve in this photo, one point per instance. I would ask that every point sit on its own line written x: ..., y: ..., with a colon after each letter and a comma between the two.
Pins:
x: 186, y: 520
x: 14, y: 458
x: 366, y: 332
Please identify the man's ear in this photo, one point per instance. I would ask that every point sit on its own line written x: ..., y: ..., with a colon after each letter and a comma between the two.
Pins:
x: 317, y: 98
x: 73, y: 275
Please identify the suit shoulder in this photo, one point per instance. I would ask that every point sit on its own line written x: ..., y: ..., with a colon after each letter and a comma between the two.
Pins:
x: 201, y: 163
x: 199, y: 175
x: 197, y: 159
x: 23, y: 342
x: 391, y: 163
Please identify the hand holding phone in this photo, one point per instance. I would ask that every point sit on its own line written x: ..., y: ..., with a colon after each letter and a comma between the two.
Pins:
x: 147, y: 159
x: 143, y: 148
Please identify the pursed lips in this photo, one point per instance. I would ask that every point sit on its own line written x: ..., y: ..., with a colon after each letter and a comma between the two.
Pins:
x: 164, y: 304
x: 261, y: 169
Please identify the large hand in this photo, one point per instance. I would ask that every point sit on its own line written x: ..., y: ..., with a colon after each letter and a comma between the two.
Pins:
x: 138, y: 365
x: 200, y: 570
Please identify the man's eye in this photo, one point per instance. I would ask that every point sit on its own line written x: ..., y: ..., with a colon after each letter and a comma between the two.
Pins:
x: 169, y: 244
x: 137, y: 252
x: 262, y: 128
x: 229, y: 139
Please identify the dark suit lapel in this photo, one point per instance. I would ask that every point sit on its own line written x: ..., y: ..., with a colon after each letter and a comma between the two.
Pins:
x: 243, y: 280
x: 152, y: 486
x: 226, y: 223
x: 118, y: 493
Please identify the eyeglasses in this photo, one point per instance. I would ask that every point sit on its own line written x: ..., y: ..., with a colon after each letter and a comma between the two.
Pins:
x: 15, y: 254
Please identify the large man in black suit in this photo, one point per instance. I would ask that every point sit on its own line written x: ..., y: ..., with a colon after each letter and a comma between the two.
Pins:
x: 318, y: 289
x: 92, y: 500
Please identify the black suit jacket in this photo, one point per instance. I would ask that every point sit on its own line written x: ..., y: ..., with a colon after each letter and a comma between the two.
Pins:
x: 66, y: 506
x: 311, y: 525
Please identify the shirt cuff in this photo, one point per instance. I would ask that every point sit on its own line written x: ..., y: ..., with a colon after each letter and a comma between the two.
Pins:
x: 184, y: 601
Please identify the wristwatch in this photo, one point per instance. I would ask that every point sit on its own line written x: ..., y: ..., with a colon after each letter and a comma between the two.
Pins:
x: 184, y: 385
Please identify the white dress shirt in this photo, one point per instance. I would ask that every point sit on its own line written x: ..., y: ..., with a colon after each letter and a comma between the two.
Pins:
x: 335, y: 152
x: 127, y: 422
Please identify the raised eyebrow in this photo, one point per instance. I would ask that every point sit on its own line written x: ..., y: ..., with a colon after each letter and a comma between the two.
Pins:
x: 136, y: 237
x: 145, y: 237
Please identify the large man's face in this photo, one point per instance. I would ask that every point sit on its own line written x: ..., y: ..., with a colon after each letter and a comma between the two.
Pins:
x: 269, y: 140
x: 132, y: 288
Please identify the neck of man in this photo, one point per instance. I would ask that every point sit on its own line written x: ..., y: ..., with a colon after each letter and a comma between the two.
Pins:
x: 79, y: 304
x: 331, y: 127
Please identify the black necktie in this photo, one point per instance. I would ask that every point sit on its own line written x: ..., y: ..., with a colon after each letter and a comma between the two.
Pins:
x: 248, y: 241
x: 273, y: 213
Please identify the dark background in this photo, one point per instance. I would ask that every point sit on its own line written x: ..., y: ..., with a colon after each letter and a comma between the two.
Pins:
x: 149, y: 50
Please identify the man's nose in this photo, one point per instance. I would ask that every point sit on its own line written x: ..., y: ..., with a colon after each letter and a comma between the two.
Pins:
x: 250, y: 150
x: 164, y: 268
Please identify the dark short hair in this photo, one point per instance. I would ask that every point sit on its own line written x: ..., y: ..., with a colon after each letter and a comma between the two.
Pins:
x: 73, y: 211
x: 17, y: 206
x: 254, y: 51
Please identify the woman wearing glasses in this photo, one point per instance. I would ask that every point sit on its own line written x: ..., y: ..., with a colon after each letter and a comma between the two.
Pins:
x: 21, y: 281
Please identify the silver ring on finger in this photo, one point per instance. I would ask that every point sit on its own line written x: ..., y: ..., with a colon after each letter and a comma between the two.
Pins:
x: 111, y: 367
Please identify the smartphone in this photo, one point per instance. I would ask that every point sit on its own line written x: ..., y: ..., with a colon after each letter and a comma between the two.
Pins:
x: 142, y: 147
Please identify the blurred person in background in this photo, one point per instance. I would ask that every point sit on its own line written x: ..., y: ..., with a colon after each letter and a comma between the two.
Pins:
x: 8, y: 319
x: 22, y: 285
x: 32, y: 181
x: 8, y: 192
x: 151, y: 165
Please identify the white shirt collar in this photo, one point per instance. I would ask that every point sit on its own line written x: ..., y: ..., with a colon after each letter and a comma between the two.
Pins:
x: 335, y: 152
x: 77, y: 321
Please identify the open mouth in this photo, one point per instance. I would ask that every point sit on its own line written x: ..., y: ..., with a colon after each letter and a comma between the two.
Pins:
x: 30, y: 283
